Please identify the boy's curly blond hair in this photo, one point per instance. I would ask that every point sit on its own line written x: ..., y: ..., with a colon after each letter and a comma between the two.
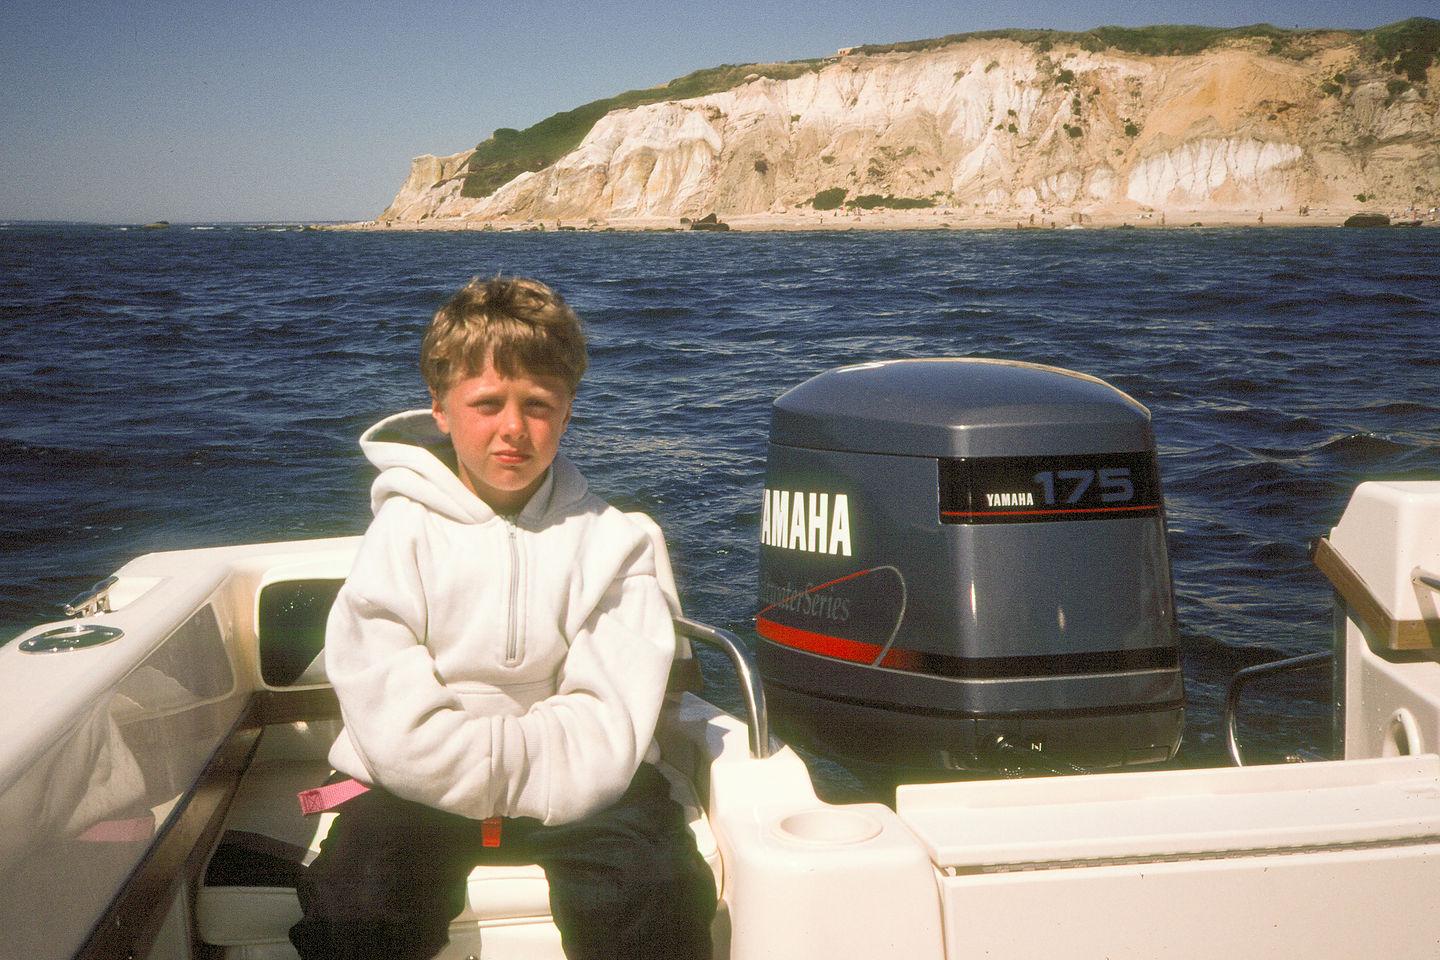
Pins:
x: 517, y: 324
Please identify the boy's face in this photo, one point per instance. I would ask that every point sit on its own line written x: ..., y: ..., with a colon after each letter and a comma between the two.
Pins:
x: 506, y: 432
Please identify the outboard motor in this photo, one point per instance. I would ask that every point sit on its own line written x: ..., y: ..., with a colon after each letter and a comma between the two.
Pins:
x: 959, y: 555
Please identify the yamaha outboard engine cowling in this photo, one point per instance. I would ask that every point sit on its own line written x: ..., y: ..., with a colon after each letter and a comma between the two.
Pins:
x: 959, y: 554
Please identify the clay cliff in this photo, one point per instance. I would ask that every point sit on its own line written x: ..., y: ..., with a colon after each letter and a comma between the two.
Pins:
x: 1045, y: 122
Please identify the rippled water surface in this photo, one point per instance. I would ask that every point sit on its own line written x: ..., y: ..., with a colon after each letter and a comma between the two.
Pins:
x: 185, y: 387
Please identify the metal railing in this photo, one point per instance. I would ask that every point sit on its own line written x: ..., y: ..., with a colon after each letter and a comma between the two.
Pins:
x: 745, y: 668
x: 1242, y: 677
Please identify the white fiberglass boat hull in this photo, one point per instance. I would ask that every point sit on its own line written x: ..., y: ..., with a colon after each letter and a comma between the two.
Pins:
x: 132, y: 759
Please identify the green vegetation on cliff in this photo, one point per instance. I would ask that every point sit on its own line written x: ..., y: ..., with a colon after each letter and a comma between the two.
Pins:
x: 509, y: 153
x: 1408, y: 48
x: 1413, y: 40
x: 834, y: 199
x: 1157, y: 41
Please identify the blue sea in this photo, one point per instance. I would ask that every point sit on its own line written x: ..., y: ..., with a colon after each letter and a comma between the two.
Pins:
x: 197, y: 386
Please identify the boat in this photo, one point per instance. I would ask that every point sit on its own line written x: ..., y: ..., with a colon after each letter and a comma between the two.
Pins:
x: 162, y: 731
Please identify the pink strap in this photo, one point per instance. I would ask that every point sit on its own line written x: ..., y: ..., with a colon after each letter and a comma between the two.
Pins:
x: 330, y: 796
x: 121, y: 831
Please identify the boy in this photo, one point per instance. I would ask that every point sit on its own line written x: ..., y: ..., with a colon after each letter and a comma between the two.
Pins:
x: 500, y: 650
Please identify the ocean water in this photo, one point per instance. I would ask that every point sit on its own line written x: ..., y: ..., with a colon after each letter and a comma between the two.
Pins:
x: 200, y: 386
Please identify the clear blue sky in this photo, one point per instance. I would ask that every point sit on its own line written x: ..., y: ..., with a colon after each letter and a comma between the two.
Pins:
x: 127, y: 111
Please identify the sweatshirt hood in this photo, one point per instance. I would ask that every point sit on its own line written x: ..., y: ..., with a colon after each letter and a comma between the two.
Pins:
x: 417, y: 462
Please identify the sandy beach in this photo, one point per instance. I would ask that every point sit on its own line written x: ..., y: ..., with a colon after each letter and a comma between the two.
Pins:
x: 928, y: 219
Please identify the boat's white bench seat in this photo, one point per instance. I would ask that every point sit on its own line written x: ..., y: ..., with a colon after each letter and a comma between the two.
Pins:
x: 252, y: 922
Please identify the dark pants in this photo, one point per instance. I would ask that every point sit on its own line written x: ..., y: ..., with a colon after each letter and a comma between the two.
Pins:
x: 625, y: 882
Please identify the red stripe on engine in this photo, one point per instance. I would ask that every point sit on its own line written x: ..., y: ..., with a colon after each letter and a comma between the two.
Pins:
x: 828, y: 646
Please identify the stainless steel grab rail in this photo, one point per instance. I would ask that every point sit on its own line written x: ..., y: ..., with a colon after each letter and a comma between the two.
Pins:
x: 745, y: 667
x: 1242, y: 677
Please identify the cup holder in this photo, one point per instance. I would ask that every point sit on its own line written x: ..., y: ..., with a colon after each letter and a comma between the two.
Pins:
x: 829, y: 826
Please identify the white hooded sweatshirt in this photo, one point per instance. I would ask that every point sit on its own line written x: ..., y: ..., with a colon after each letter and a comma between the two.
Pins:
x: 495, y: 666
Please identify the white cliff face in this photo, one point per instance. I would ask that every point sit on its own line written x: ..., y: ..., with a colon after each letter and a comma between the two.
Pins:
x: 989, y: 123
x: 1197, y: 171
x: 432, y: 181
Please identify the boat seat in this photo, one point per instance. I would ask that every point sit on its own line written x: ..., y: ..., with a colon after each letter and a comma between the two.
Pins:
x: 247, y: 903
